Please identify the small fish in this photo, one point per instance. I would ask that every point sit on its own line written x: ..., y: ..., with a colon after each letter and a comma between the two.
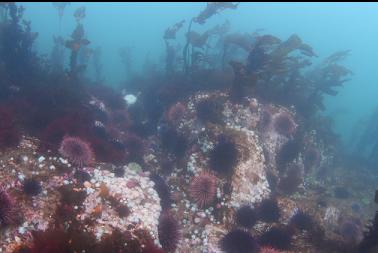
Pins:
x: 84, y: 42
x: 14, y: 88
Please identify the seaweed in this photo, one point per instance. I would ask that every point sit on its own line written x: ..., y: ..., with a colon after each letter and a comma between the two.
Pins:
x: 170, y: 33
x: 369, y: 242
x: 213, y: 8
x: 10, y: 135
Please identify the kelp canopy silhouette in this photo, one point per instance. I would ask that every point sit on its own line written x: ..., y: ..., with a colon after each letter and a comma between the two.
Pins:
x: 196, y: 40
x: 58, y: 101
x: 263, y: 65
x: 77, y: 44
x: 279, y: 71
x: 246, y: 64
x: 16, y: 40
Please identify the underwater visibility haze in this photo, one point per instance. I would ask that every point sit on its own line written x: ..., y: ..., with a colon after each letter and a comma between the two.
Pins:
x: 188, y: 127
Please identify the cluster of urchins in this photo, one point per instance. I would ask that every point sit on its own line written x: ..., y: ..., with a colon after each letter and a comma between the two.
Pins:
x: 277, y: 238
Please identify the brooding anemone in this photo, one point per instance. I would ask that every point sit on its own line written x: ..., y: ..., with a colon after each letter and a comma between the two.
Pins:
x: 284, y: 124
x: 238, y: 241
x: 224, y: 156
x: 76, y: 151
x: 8, y: 209
x: 246, y: 217
x: 169, y: 232
x: 203, y: 189
x: 277, y: 237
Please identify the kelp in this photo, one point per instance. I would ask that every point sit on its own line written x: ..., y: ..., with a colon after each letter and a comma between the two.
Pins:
x: 170, y: 33
x: 77, y: 43
x: 79, y: 14
x: 16, y: 42
x: 57, y: 54
x: 213, y: 8
x: 280, y: 71
x: 60, y: 6
x: 127, y: 59
x: 97, y: 52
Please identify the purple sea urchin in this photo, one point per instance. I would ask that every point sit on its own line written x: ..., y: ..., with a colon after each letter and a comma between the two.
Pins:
x: 82, y: 176
x: 210, y: 110
x: 277, y: 237
x: 203, y: 189
x: 224, y: 156
x: 162, y: 190
x: 32, y: 187
x: 169, y: 232
x: 7, y: 209
x: 301, y: 220
x: 284, y: 124
x: 76, y: 151
x: 292, y: 180
x: 246, y: 217
x: 238, y: 241
x: 312, y: 158
x: 268, y: 210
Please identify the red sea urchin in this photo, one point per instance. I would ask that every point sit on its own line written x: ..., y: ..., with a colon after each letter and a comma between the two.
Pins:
x: 169, y: 232
x: 76, y: 151
x: 7, y: 209
x: 203, y: 189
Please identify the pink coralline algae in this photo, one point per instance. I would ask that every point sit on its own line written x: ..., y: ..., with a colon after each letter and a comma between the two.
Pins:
x: 7, y: 209
x: 76, y: 151
x: 268, y: 250
x: 175, y: 113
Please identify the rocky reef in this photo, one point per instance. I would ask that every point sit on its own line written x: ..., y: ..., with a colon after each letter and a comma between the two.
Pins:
x: 220, y: 150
